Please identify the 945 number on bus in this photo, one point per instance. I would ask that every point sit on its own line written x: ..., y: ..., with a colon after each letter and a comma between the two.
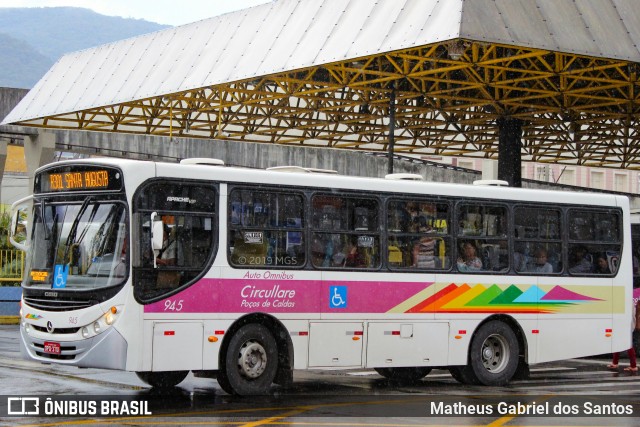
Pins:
x: 173, y: 305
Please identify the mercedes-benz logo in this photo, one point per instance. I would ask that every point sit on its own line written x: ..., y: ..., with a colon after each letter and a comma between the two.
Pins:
x: 50, y: 327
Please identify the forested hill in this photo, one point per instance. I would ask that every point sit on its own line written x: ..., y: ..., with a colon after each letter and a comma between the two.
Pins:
x: 32, y: 39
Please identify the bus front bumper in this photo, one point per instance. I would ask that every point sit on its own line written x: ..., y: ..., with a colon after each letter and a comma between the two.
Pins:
x: 107, y: 350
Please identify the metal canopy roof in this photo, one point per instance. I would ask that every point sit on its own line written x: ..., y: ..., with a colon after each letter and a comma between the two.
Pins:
x: 321, y: 73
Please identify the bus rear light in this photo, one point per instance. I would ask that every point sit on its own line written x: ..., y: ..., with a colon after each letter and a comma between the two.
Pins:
x: 462, y: 332
x: 218, y: 332
x: 358, y: 333
x: 535, y: 331
x: 169, y: 333
x: 608, y: 330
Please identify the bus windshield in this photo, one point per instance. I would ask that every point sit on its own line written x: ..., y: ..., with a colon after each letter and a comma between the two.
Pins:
x: 78, y: 245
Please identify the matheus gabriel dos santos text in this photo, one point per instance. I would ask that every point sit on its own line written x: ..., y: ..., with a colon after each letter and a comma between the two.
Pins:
x: 533, y: 408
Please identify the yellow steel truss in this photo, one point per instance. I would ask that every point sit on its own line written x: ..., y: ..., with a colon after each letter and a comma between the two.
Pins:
x: 575, y: 109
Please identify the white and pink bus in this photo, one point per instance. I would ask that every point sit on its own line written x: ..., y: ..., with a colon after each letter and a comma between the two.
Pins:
x: 245, y: 275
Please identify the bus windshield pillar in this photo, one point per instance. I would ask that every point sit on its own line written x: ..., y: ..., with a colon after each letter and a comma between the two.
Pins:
x: 509, y: 154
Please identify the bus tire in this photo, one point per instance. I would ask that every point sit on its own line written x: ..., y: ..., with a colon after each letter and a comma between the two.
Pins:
x: 493, y: 354
x: 251, y: 362
x: 166, y: 379
x: 404, y: 375
x: 464, y: 375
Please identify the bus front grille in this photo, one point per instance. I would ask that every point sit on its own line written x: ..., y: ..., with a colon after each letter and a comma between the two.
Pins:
x: 57, y: 305
x: 56, y: 330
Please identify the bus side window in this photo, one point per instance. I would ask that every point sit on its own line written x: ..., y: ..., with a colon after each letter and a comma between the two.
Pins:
x: 418, y: 234
x: 537, y: 230
x: 593, y: 234
x: 266, y: 227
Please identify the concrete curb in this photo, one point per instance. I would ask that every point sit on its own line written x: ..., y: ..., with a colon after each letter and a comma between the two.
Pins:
x: 9, y: 320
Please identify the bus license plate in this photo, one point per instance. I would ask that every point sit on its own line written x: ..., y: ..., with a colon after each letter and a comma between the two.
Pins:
x: 52, y: 347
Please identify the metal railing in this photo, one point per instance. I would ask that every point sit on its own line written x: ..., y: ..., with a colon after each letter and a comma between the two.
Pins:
x: 11, y: 265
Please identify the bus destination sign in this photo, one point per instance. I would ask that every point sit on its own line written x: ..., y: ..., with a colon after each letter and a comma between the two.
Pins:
x: 79, y: 179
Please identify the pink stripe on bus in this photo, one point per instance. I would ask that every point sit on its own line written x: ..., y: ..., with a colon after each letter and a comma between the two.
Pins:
x: 287, y: 296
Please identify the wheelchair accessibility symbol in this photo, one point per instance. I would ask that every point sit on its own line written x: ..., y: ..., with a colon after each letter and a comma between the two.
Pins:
x: 338, y: 297
x: 60, y: 273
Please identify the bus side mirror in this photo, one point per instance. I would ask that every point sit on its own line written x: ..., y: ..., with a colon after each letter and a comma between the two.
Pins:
x: 18, y: 229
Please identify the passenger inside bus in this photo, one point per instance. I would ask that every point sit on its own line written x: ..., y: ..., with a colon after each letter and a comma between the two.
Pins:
x: 539, y: 262
x: 424, y: 253
x: 468, y: 260
x: 580, y: 260
x: 354, y: 256
x: 602, y: 265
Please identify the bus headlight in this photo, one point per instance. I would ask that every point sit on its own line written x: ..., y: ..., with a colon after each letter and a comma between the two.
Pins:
x: 102, y: 323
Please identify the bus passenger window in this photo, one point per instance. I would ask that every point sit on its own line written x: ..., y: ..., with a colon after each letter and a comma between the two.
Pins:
x: 266, y: 228
x: 594, y: 234
x: 418, y: 235
x: 345, y: 232
x: 481, y: 238
x: 538, y: 245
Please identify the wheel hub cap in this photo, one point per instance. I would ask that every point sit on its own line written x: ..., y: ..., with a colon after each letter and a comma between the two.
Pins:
x: 495, y: 353
x: 252, y: 360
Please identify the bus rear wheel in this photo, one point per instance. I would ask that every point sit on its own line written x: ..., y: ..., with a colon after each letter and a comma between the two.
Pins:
x: 251, y: 362
x: 493, y: 356
x: 404, y: 375
x: 166, y: 379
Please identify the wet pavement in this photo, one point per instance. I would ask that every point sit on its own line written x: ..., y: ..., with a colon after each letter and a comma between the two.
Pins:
x: 330, y: 398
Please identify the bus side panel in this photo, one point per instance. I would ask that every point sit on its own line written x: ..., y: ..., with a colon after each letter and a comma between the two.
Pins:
x: 578, y: 321
x: 177, y: 346
x: 392, y: 344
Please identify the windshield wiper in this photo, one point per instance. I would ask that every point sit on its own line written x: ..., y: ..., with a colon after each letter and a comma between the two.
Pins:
x: 47, y: 233
x: 74, y: 228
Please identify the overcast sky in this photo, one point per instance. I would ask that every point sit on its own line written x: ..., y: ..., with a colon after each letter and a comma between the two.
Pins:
x: 171, y: 12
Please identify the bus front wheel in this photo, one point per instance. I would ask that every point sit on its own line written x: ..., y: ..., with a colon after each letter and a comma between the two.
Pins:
x: 493, y: 356
x: 251, y: 362
x: 163, y: 379
x: 405, y: 375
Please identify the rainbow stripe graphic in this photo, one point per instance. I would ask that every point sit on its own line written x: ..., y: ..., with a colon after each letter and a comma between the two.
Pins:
x: 33, y: 316
x: 507, y: 299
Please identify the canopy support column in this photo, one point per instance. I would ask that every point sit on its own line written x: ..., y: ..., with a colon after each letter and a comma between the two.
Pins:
x: 509, y: 150
x: 38, y: 151
x: 392, y: 128
x: 3, y: 160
